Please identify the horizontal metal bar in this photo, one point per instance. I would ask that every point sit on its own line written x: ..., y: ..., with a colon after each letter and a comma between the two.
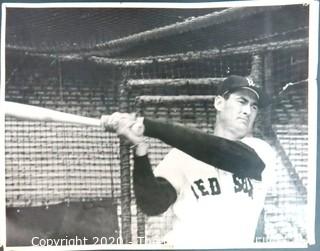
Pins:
x: 174, y: 99
x: 174, y: 82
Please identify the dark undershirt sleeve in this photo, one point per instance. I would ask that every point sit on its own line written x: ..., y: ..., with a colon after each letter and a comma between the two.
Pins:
x: 232, y: 156
x: 154, y: 195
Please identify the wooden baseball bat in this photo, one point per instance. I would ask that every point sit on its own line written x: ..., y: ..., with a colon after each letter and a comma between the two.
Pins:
x: 30, y: 112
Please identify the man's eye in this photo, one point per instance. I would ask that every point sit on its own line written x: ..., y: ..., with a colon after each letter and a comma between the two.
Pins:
x: 241, y: 101
x: 255, y: 107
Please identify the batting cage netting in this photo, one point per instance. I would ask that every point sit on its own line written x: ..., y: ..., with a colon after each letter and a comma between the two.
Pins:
x: 160, y: 63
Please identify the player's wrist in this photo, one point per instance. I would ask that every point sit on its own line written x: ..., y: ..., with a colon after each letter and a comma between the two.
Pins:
x: 141, y: 149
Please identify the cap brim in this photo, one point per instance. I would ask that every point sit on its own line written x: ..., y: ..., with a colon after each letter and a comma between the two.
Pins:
x: 263, y: 99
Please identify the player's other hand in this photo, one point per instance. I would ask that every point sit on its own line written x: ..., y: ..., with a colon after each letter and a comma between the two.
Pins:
x: 129, y: 127
x: 111, y: 122
x: 126, y: 125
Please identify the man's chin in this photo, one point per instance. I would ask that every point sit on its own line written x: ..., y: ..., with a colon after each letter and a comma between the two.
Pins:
x: 242, y: 132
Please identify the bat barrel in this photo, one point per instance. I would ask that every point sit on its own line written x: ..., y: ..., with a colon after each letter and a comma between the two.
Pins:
x: 30, y: 112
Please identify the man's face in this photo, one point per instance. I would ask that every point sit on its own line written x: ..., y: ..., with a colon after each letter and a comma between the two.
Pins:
x: 238, y: 112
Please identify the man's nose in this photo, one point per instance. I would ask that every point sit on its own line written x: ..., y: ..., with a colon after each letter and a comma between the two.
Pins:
x: 246, y: 109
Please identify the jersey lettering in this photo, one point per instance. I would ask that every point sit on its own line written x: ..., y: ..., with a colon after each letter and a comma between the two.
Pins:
x: 243, y: 185
x: 201, y: 187
x: 211, y: 185
x: 214, y: 185
x: 194, y: 192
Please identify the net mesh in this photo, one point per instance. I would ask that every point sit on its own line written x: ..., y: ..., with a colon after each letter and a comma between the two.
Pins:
x: 48, y: 163
x: 286, y: 204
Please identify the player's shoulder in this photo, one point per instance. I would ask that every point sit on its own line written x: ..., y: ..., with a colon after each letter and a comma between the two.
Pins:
x: 262, y: 147
x: 177, y: 156
x: 255, y: 142
x: 176, y: 153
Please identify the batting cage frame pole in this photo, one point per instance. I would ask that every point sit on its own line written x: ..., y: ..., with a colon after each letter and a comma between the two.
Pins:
x: 125, y: 174
x: 141, y: 229
x: 141, y: 218
x: 258, y: 75
x: 178, y: 82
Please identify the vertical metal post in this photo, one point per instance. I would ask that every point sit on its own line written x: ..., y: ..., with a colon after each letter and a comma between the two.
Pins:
x: 257, y: 76
x: 268, y: 77
x: 258, y: 72
x: 141, y: 232
x: 257, y: 69
x: 125, y: 173
x: 141, y: 226
x: 268, y: 80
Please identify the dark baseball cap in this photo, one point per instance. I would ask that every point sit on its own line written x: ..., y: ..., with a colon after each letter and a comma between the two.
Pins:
x: 234, y: 83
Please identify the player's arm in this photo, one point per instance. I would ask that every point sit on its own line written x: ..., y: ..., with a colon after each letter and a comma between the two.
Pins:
x: 232, y: 156
x: 154, y: 195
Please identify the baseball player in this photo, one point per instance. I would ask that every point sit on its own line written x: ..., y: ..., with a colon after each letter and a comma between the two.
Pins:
x: 215, y: 184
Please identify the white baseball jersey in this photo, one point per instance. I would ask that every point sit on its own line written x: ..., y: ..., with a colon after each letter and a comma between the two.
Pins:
x: 214, y: 208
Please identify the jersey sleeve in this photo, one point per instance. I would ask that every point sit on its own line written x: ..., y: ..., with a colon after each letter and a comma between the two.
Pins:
x: 171, y: 168
x: 228, y: 155
x: 154, y: 195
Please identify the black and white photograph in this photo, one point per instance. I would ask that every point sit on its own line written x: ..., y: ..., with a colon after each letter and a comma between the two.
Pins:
x: 167, y: 126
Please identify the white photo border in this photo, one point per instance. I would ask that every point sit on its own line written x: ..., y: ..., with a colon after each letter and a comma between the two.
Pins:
x: 312, y: 104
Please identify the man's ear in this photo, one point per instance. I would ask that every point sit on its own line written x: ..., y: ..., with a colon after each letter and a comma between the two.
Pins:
x: 219, y: 102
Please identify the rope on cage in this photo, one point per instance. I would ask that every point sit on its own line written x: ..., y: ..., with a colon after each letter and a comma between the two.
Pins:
x: 287, y: 85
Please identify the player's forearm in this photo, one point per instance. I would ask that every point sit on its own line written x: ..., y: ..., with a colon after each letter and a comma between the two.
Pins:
x: 154, y: 195
x: 225, y: 154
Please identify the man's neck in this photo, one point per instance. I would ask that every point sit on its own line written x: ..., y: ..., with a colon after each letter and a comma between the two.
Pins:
x: 223, y: 133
